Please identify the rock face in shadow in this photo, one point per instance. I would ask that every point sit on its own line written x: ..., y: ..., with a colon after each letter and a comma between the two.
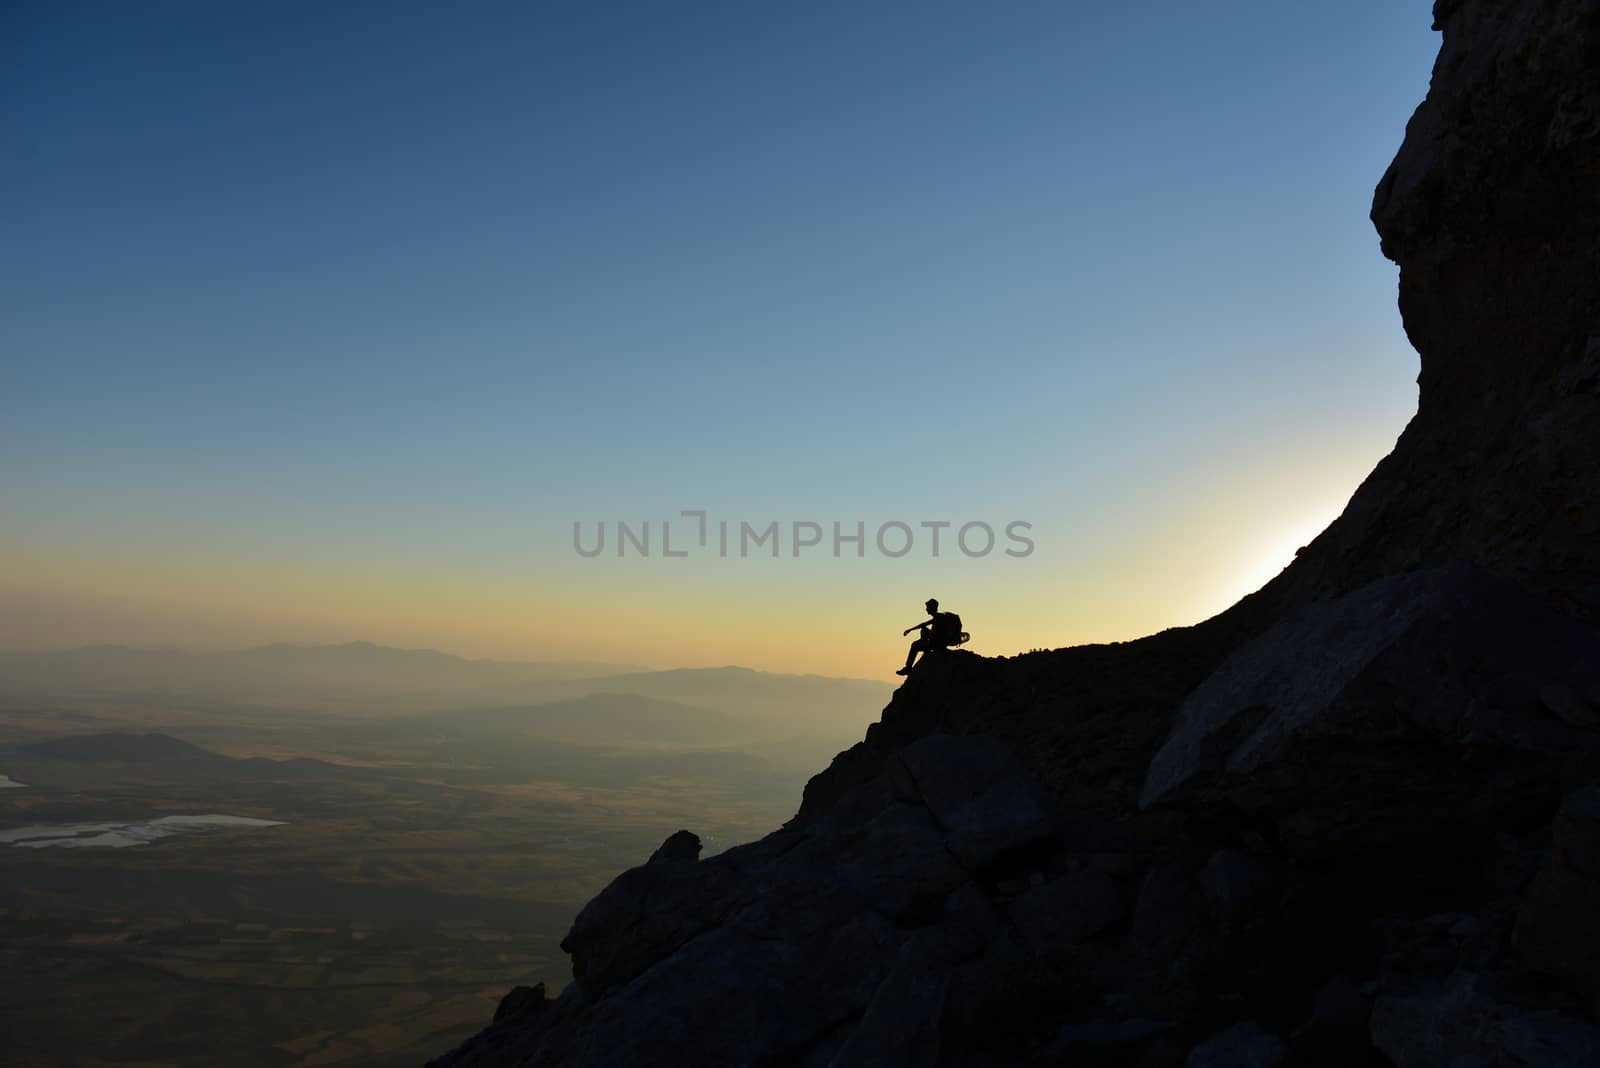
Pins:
x: 1411, y: 701
x: 1352, y: 821
x: 1470, y: 1020
x: 1550, y: 936
x: 1491, y: 209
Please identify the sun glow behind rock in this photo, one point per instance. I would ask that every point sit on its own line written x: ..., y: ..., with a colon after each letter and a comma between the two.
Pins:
x: 1263, y: 560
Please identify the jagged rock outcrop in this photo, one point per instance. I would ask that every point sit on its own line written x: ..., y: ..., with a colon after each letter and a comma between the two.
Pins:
x: 521, y: 1002
x: 1353, y: 821
x: 1410, y: 703
x: 839, y: 942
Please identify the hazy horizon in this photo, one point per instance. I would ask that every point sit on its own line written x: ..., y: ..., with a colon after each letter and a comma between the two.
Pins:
x: 611, y: 667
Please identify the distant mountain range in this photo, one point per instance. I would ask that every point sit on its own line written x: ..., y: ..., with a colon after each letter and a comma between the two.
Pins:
x: 548, y: 746
x: 284, y: 673
x: 366, y: 656
x: 364, y: 678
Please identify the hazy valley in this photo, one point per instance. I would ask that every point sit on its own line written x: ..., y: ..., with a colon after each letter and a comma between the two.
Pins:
x: 422, y: 855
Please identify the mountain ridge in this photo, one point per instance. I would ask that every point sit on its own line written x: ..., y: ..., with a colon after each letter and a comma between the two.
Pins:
x: 362, y: 676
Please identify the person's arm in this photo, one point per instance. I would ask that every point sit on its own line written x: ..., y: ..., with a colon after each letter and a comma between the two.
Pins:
x: 915, y: 626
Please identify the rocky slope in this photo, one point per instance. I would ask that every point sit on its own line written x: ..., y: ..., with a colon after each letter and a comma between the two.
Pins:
x: 1353, y: 820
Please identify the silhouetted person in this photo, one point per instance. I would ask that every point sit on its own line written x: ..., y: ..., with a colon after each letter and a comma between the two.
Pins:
x: 941, y: 630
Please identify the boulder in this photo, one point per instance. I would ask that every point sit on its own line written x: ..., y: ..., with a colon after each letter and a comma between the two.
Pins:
x: 1067, y: 910
x: 1570, y: 706
x: 972, y: 927
x: 898, y: 862
x: 645, y: 915
x: 518, y: 1031
x: 730, y: 997
x: 1161, y: 912
x: 1244, y: 1045
x: 981, y: 796
x: 1558, y: 926
x: 1232, y: 878
x: 680, y: 845
x: 1341, y: 716
x: 900, y: 1028
x: 1339, y: 1009
x: 1337, y: 1031
x: 520, y: 1001
x: 1107, y: 1041
x: 1473, y: 1020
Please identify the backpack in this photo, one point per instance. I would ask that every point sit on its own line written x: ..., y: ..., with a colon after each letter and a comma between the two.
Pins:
x: 949, y: 628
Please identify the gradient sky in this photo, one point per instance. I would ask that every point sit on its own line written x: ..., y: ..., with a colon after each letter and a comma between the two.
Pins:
x: 327, y: 321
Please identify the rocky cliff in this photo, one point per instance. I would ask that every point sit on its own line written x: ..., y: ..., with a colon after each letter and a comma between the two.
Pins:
x: 1491, y: 208
x: 1354, y: 820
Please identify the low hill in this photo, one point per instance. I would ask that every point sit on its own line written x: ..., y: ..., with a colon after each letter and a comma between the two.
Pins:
x: 123, y: 747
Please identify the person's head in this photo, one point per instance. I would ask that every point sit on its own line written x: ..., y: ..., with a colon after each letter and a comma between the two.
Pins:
x: 932, y: 606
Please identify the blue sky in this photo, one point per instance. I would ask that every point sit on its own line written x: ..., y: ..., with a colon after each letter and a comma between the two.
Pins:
x: 417, y: 285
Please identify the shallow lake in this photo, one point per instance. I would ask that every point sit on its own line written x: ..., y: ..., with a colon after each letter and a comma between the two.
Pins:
x: 118, y: 835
